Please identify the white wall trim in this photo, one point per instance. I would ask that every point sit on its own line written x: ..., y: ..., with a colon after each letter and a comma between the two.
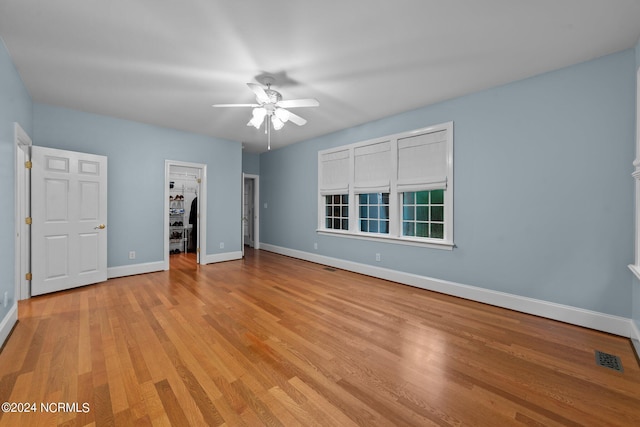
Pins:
x: 576, y: 316
x: 226, y: 256
x: 7, y: 324
x: 131, y: 270
x: 635, y: 337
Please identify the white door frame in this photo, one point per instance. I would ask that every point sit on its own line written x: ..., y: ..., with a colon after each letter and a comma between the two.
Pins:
x: 22, y: 210
x: 202, y: 202
x: 256, y: 210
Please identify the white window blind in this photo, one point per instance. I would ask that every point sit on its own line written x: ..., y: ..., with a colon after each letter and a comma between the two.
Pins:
x: 334, y: 169
x: 372, y: 168
x: 422, y: 162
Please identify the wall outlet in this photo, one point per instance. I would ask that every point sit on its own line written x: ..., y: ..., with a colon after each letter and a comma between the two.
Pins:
x: 315, y: 246
x: 265, y: 206
x: 132, y: 254
x: 377, y: 257
x: 5, y: 300
x: 221, y: 245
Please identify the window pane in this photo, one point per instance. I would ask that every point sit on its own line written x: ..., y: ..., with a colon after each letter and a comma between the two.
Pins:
x: 336, y: 211
x: 409, y: 198
x: 327, y: 200
x: 345, y: 224
x: 363, y: 212
x: 328, y: 223
x: 437, y: 213
x: 422, y: 197
x: 385, y: 198
x: 373, y: 226
x: 363, y: 199
x: 328, y: 211
x: 422, y: 213
x: 336, y: 224
x: 384, y: 226
x: 384, y: 212
x: 408, y: 212
x: 345, y: 212
x: 422, y: 229
x: 437, y: 231
x: 408, y: 229
x: 373, y: 212
x: 336, y: 199
x: 345, y: 199
x: 437, y: 197
x: 364, y: 225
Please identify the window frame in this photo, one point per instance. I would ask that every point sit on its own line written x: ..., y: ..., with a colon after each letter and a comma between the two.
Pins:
x: 395, y: 193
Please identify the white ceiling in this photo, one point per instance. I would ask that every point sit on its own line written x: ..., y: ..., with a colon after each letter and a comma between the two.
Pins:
x: 165, y: 62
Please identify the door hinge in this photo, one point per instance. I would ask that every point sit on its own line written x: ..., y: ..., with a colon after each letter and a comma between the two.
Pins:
x: 198, y: 250
x: 28, y: 220
x: 199, y: 180
x: 28, y: 276
x: 28, y: 164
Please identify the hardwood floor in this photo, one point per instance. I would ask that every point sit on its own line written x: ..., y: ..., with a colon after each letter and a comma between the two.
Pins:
x: 276, y: 341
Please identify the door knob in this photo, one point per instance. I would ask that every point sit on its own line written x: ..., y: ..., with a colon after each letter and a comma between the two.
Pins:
x: 100, y: 227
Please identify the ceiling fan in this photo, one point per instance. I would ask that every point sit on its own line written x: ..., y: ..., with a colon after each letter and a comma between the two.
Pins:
x: 272, y: 109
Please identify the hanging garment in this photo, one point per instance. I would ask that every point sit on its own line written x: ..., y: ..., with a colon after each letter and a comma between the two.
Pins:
x: 193, y: 219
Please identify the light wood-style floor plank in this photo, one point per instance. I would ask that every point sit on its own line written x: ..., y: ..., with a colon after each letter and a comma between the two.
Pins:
x: 275, y: 341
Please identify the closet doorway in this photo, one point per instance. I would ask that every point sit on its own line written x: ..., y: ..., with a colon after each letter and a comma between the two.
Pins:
x: 250, y: 211
x: 185, y: 214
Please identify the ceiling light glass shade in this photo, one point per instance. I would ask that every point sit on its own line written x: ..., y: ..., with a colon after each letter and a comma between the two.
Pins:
x: 258, y: 117
x: 277, y: 123
x: 282, y: 114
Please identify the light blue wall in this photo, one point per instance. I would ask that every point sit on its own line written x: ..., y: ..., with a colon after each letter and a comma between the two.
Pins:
x: 251, y: 163
x: 543, y: 199
x: 136, y: 153
x: 15, y: 106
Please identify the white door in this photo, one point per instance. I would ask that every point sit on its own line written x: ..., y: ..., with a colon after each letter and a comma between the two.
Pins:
x: 69, y: 212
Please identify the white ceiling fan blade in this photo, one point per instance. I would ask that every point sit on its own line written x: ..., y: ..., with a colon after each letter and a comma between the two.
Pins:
x: 235, y: 105
x: 296, y: 103
x: 261, y: 95
x: 296, y: 119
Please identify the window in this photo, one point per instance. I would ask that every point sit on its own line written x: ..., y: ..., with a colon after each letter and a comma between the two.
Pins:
x: 398, y: 188
x: 337, y: 211
x: 374, y: 212
x: 423, y: 214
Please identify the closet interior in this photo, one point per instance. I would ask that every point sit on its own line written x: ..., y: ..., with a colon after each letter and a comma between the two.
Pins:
x: 183, y: 209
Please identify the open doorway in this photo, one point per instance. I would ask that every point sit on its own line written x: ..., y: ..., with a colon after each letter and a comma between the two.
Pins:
x: 250, y: 211
x: 185, y: 217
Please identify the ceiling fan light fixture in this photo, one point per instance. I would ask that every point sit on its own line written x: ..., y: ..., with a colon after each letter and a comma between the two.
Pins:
x: 258, y: 117
x: 282, y: 114
x: 277, y: 123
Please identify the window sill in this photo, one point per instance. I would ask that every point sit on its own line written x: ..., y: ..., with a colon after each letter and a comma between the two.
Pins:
x: 443, y: 245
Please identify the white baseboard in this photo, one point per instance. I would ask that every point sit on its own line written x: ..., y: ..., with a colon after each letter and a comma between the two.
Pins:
x: 150, y: 267
x: 227, y: 256
x: 563, y: 313
x: 8, y: 323
x: 131, y: 270
x: 635, y: 337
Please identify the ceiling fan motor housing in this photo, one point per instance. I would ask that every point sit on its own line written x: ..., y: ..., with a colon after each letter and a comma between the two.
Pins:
x: 274, y: 96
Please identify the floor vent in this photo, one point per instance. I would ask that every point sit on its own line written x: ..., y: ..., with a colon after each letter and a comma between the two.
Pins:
x: 330, y: 269
x: 608, y: 361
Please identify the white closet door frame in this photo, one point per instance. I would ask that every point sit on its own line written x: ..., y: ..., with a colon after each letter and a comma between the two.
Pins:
x: 202, y: 202
x: 22, y: 210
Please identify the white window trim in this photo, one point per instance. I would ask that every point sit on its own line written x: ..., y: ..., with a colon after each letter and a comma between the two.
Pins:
x: 395, y: 208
